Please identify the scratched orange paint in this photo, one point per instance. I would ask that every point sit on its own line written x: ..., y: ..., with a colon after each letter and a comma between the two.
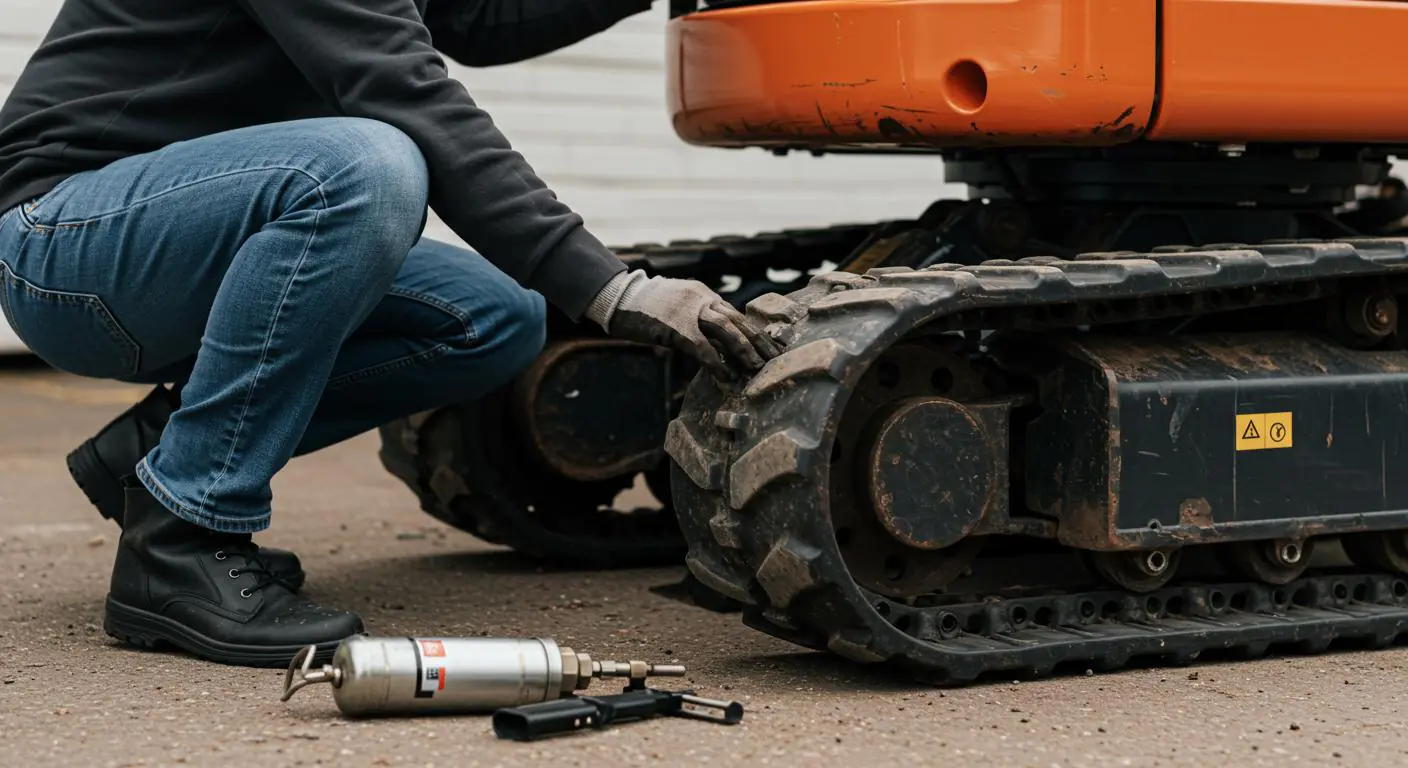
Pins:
x: 1053, y: 72
x: 878, y: 71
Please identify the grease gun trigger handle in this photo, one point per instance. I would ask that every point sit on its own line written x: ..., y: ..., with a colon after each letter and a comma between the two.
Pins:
x: 302, y: 666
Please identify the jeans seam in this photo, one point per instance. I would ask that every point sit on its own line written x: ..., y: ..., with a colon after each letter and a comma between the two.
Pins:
x: 471, y: 334
x: 196, y: 516
x: 352, y: 377
x: 5, y: 298
x: 26, y: 215
x: 264, y: 351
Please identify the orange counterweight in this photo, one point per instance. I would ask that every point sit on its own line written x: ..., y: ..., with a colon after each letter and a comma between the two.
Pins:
x: 938, y: 73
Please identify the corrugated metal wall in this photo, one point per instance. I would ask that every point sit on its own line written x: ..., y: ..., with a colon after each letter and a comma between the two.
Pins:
x: 591, y: 120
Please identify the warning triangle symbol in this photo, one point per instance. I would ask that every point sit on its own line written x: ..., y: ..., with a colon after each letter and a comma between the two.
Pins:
x: 1250, y: 432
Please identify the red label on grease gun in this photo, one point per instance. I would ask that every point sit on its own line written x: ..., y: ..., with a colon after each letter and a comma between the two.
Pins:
x: 430, y: 675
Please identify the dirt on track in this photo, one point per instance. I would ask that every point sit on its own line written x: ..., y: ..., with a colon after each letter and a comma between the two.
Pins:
x: 71, y: 696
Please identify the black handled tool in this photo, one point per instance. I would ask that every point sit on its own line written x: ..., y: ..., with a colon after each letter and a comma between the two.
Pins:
x: 535, y: 721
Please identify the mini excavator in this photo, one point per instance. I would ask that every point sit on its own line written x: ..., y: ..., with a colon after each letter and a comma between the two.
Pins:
x: 1142, y: 394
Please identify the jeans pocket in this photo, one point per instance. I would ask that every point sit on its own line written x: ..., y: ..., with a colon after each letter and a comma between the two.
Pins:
x: 74, y: 332
x: 42, y: 214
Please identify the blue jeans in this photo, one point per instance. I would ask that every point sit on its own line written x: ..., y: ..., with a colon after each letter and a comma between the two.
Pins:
x: 277, y: 274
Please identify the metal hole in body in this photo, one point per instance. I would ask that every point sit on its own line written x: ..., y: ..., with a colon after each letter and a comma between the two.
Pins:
x: 941, y: 380
x: 1152, y: 606
x: 888, y: 374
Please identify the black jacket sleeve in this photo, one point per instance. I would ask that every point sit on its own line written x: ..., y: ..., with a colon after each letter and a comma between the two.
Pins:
x: 374, y: 59
x: 485, y: 33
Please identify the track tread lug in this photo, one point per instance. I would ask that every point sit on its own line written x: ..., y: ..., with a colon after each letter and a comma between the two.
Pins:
x: 822, y: 357
x: 710, y: 577
x: 893, y: 299
x: 854, y: 644
x: 840, y: 281
x: 692, y: 457
x: 787, y: 571
x: 773, y: 307
x: 779, y: 455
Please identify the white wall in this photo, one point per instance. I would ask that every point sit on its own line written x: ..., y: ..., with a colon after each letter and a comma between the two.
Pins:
x: 591, y: 120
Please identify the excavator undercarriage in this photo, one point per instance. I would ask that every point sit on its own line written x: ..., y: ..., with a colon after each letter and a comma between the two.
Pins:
x: 1143, y: 394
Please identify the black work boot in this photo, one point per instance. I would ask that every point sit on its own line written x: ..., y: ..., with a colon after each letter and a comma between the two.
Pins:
x: 209, y: 593
x: 99, y: 465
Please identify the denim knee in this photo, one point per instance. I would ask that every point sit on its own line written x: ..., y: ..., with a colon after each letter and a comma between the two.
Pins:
x: 380, y: 173
x: 506, y: 334
x: 525, y: 329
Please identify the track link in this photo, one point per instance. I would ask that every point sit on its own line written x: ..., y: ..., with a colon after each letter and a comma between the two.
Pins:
x: 751, y: 468
x: 452, y: 458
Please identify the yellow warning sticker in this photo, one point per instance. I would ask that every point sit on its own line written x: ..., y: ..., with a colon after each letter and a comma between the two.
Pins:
x: 1259, y: 431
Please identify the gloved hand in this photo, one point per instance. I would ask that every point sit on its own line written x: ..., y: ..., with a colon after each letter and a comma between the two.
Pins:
x: 686, y: 315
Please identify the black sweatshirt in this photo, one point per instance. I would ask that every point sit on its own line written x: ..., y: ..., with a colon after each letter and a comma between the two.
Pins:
x: 114, y: 78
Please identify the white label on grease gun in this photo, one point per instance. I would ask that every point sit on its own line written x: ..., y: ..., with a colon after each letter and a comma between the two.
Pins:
x: 430, y: 667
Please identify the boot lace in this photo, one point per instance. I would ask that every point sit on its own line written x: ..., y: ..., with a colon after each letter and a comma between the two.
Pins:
x: 254, y: 564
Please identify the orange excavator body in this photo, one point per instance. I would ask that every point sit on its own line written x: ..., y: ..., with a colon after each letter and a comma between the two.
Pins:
x: 886, y: 74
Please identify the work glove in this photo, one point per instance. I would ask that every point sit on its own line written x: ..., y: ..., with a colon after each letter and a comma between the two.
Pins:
x: 685, y: 315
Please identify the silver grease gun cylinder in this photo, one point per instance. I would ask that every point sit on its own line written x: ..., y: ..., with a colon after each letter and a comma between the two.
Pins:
x: 426, y: 675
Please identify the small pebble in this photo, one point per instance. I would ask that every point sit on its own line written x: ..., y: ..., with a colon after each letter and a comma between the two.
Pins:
x: 97, y: 541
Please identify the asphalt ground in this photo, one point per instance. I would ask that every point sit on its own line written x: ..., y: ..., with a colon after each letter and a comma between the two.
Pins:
x: 71, y: 696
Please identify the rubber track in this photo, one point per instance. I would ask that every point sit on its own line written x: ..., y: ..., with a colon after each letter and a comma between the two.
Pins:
x: 751, y: 469
x: 426, y: 451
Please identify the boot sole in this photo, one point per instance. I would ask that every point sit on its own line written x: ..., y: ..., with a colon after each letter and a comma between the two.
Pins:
x: 151, y: 631
x: 89, y: 475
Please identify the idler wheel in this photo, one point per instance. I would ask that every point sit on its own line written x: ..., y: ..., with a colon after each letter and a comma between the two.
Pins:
x: 931, y: 471
x: 911, y: 471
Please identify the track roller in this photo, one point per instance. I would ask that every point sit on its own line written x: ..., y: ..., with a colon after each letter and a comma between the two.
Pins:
x: 1137, y: 570
x: 1276, y: 561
